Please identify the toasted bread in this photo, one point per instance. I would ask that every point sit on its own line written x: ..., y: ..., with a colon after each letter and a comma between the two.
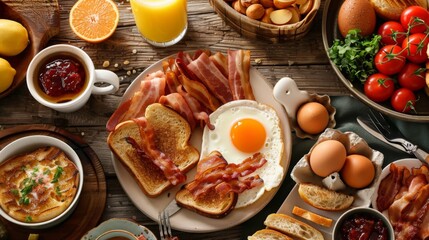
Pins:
x: 292, y: 227
x: 172, y: 133
x: 316, y: 218
x: 209, y: 204
x: 392, y: 9
x: 268, y: 234
x: 323, y: 198
x: 51, y: 177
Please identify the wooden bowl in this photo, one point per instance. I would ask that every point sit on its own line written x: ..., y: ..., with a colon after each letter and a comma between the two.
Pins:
x: 259, y: 30
x: 329, y: 33
x: 42, y: 21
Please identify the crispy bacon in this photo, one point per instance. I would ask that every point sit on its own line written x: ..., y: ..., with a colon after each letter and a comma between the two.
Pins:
x: 151, y: 89
x: 238, y: 74
x: 389, y: 187
x: 232, y: 174
x: 212, y: 77
x: 178, y: 103
x: 149, y: 150
x: 221, y: 62
x: 172, y: 82
x: 200, y: 113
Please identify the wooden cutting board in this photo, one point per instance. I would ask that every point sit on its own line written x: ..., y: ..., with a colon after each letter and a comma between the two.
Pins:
x: 93, y: 197
x: 41, y: 18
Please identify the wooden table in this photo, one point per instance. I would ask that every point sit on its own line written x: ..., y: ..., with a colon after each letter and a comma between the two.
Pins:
x: 304, y: 60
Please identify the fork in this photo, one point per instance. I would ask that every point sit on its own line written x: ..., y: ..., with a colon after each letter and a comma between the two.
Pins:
x: 164, y: 226
x: 392, y: 134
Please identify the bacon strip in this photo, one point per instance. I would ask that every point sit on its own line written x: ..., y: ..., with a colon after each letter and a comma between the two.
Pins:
x: 200, y: 113
x: 152, y: 87
x: 389, y: 187
x: 221, y: 62
x: 149, y: 150
x: 209, y: 74
x: 178, y: 103
x: 230, y: 174
x: 238, y: 72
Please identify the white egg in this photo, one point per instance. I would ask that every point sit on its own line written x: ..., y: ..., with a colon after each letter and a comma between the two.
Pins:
x: 265, y: 136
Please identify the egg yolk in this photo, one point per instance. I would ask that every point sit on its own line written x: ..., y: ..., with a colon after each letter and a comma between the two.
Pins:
x: 248, y: 135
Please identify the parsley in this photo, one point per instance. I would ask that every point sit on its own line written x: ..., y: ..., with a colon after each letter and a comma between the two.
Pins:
x: 58, y: 190
x: 47, y: 171
x: 354, y: 56
x: 28, y: 187
x: 57, y: 174
x: 14, y: 192
x: 28, y: 219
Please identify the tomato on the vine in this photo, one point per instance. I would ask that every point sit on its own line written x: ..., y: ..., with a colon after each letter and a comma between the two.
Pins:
x: 412, y: 76
x: 391, y: 33
x: 390, y: 59
x: 379, y: 87
x: 415, y: 18
x: 416, y: 46
x: 403, y: 100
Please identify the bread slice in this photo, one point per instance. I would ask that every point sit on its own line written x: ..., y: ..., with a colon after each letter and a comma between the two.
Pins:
x: 323, y: 198
x: 209, y: 204
x: 268, y: 234
x: 292, y: 227
x: 316, y: 218
x: 392, y: 9
x: 172, y: 133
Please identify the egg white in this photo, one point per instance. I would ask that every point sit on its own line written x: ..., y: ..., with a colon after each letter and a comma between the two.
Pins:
x: 219, y: 139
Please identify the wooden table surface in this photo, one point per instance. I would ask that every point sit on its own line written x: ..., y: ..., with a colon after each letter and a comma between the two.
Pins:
x: 304, y: 60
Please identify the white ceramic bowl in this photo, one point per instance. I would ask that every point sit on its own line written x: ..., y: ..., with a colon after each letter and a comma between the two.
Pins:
x: 28, y: 144
x: 362, y: 210
x: 118, y: 227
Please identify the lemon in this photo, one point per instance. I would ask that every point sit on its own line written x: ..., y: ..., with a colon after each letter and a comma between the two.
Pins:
x: 7, y: 73
x: 13, y: 37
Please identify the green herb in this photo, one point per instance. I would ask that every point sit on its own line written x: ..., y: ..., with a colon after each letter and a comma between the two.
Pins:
x: 58, y: 190
x: 28, y: 187
x: 57, y: 174
x: 354, y: 56
x: 28, y: 219
x: 47, y: 171
x: 14, y: 192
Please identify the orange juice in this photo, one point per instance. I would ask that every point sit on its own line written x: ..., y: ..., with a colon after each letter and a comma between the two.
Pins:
x: 161, y: 22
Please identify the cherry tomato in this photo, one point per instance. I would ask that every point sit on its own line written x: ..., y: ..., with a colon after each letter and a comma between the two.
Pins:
x: 412, y: 76
x: 403, y: 100
x: 379, y: 87
x: 390, y: 59
x: 391, y: 33
x: 416, y: 18
x: 416, y: 46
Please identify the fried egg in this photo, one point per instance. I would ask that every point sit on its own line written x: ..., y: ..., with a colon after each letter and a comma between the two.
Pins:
x: 242, y: 128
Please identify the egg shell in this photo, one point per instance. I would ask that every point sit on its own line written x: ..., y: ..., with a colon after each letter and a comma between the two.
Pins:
x: 358, y: 171
x: 356, y: 14
x: 312, y: 117
x: 327, y: 157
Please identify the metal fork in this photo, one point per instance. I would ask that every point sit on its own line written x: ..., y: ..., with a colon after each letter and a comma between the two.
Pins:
x: 392, y: 134
x: 164, y: 226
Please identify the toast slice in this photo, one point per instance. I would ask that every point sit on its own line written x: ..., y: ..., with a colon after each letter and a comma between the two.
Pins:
x: 292, y: 227
x: 268, y: 234
x: 172, y: 133
x: 323, y: 198
x: 316, y: 218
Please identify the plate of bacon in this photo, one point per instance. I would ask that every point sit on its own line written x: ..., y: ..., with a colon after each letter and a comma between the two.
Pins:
x: 202, y: 63
x: 402, y: 196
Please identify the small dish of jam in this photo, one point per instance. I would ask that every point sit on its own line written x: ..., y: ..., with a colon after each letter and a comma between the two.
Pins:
x: 364, y: 224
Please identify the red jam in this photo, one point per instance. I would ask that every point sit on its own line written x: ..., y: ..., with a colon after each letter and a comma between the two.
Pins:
x: 61, y: 75
x: 362, y: 227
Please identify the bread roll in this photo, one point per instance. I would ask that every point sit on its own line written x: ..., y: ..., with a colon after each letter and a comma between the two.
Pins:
x: 292, y: 227
x: 392, y: 9
x: 268, y: 234
x: 323, y: 198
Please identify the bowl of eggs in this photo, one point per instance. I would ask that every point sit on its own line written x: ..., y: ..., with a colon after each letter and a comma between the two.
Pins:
x: 341, y: 162
x: 272, y: 20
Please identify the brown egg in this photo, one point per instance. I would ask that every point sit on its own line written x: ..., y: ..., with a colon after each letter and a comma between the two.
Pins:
x: 312, y: 117
x: 358, y: 14
x: 358, y: 171
x: 327, y: 157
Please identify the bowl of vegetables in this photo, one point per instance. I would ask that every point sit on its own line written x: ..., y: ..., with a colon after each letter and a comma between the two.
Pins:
x: 382, y: 74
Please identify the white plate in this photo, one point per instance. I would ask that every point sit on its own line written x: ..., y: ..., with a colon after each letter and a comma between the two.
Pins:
x: 119, y: 224
x: 186, y: 220
x: 407, y: 162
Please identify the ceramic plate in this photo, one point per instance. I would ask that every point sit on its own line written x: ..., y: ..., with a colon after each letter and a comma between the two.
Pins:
x: 186, y: 220
x: 329, y: 33
x: 119, y: 224
x: 407, y: 162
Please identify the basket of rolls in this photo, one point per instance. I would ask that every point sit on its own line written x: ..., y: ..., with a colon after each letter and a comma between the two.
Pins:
x: 273, y: 20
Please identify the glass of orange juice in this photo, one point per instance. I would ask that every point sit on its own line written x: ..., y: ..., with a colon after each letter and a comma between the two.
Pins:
x: 162, y: 23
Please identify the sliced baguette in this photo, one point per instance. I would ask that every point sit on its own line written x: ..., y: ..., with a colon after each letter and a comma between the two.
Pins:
x: 292, y: 227
x: 172, y: 133
x: 316, y: 218
x: 323, y: 198
x: 268, y: 234
x: 209, y: 204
